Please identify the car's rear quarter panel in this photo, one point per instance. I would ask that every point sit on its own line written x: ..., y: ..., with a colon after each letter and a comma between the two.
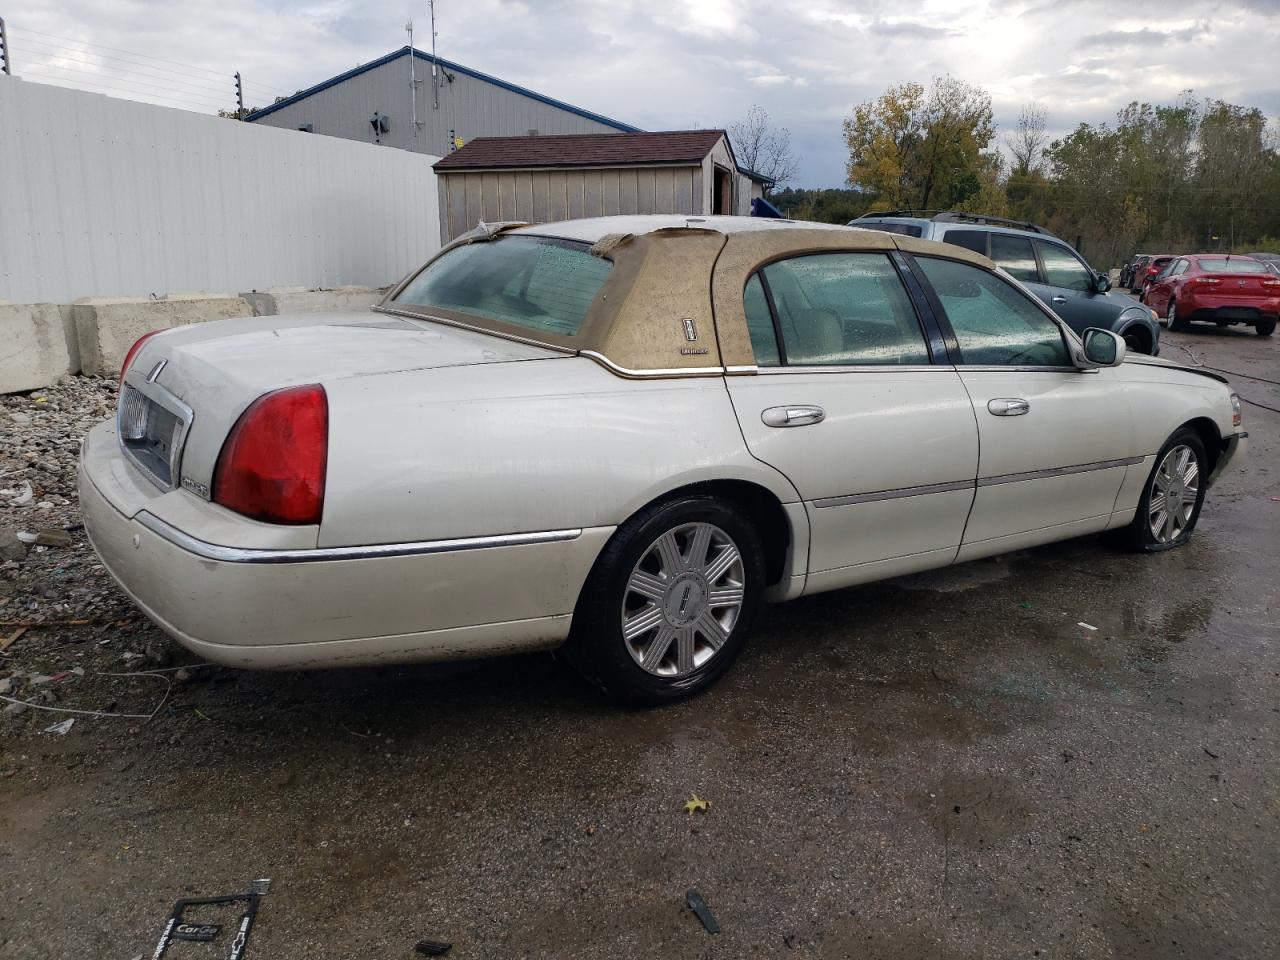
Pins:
x: 520, y: 447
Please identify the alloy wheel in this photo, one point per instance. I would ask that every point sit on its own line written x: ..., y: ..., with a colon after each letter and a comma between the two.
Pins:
x: 682, y: 600
x: 1175, y: 490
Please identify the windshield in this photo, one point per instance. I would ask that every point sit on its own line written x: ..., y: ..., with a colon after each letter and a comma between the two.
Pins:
x: 1231, y: 266
x: 540, y: 283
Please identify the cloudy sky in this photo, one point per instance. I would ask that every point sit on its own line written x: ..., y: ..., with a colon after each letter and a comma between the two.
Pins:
x: 666, y: 64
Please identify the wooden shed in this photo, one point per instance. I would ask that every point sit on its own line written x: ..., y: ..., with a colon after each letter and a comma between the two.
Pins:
x: 541, y: 179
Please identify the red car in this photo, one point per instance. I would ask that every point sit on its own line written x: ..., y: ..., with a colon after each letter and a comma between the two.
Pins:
x: 1218, y: 288
x: 1150, y: 270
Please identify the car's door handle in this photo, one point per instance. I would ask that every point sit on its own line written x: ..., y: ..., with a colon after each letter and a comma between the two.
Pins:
x: 1058, y: 299
x: 793, y: 416
x: 1008, y: 407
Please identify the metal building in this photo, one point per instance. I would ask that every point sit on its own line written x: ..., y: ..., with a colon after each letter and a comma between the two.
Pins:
x: 425, y: 105
x: 547, y: 178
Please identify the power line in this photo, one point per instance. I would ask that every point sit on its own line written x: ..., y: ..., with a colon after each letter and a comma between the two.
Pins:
x: 144, y: 56
x: 167, y: 78
x: 122, y: 94
x: 80, y: 76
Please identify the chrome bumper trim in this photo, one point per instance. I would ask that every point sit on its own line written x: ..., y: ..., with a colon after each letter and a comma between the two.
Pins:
x: 213, y: 551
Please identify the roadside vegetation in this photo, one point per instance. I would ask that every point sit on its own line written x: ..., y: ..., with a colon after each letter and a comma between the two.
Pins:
x: 1192, y: 175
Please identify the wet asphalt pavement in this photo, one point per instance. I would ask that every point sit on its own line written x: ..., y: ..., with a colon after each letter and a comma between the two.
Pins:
x: 945, y: 766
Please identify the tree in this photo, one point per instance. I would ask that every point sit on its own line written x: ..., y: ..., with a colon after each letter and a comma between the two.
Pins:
x: 1026, y: 144
x: 763, y: 148
x: 915, y: 148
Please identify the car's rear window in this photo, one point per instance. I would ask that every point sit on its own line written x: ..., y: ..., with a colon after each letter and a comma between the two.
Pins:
x: 902, y: 229
x: 541, y: 283
x: 1231, y: 266
x: 975, y: 240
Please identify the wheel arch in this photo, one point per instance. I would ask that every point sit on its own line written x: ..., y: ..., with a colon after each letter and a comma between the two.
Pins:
x: 1210, y: 436
x: 1141, y: 328
x: 784, y: 535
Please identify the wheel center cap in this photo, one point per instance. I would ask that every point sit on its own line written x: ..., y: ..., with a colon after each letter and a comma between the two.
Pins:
x: 685, y: 600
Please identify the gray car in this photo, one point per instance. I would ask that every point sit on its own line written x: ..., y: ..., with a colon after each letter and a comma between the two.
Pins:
x: 1049, y: 267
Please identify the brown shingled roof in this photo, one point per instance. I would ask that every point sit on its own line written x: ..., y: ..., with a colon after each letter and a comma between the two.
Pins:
x: 582, y: 150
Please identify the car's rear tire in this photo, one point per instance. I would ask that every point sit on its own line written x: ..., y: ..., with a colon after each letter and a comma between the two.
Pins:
x: 1173, y: 495
x: 669, y: 602
x: 1172, y: 320
x: 1265, y: 328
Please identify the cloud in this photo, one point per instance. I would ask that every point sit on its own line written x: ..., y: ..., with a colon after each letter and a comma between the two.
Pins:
x: 1145, y: 37
x: 674, y: 64
x: 910, y: 30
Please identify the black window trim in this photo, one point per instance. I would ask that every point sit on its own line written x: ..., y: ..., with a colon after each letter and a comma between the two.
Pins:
x: 953, y: 343
x: 922, y: 309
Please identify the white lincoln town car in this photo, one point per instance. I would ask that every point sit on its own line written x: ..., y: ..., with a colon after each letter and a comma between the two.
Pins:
x: 622, y: 435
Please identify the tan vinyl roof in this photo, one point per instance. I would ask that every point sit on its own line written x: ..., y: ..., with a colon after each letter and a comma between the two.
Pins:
x: 671, y: 269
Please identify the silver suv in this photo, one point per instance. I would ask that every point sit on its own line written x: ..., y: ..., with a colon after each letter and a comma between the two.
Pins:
x: 1049, y: 268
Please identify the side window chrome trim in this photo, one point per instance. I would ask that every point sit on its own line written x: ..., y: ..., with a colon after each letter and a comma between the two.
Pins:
x: 861, y: 368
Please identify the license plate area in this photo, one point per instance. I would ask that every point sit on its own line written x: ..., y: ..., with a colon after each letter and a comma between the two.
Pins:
x: 153, y: 424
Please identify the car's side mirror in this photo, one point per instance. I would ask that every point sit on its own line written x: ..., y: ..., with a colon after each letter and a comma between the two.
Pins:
x: 1102, y: 348
x: 1101, y: 283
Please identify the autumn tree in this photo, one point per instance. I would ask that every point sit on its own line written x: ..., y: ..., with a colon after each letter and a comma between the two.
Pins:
x: 1027, y: 142
x: 762, y: 147
x: 916, y: 148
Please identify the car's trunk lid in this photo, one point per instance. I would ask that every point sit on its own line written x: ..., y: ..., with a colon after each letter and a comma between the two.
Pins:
x: 1241, y: 286
x: 185, y: 388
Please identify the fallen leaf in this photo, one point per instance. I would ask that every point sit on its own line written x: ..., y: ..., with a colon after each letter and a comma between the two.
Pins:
x: 696, y: 803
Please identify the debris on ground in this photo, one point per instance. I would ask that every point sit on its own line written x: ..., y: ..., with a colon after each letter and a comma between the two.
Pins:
x: 61, y: 729
x: 432, y: 948
x: 1087, y: 626
x: 702, y: 911
x: 696, y: 803
x: 177, y: 928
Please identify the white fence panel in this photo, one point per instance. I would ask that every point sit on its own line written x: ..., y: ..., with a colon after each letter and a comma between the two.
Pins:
x: 104, y: 197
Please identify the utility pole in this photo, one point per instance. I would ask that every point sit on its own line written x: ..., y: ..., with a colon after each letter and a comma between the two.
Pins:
x: 413, y: 78
x: 435, y: 85
x: 239, y: 98
x: 4, y: 50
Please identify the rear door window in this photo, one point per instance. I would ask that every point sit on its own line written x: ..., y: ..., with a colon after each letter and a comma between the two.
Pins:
x: 1063, y: 269
x: 975, y: 240
x: 764, y: 342
x: 846, y: 309
x: 995, y: 323
x: 1015, y: 255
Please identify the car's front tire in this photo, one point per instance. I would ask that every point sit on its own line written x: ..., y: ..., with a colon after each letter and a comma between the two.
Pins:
x: 1172, y: 320
x: 669, y: 602
x: 1265, y: 328
x: 1172, y: 497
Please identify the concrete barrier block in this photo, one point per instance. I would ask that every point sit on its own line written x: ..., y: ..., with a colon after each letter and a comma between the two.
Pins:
x: 33, y: 347
x: 277, y: 301
x: 107, y: 327
x: 71, y: 335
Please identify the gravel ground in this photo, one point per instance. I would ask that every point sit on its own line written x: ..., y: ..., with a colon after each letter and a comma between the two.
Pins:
x: 944, y: 765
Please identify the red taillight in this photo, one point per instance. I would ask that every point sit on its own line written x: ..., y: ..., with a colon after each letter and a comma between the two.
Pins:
x: 133, y: 352
x: 272, y: 466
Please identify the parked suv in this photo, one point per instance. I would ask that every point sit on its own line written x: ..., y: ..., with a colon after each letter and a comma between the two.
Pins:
x: 1049, y: 268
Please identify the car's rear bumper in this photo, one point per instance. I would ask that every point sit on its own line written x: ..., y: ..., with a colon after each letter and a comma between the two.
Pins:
x: 282, y: 608
x: 1209, y: 308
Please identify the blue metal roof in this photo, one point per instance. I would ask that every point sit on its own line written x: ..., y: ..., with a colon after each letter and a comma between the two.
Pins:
x: 447, y: 65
